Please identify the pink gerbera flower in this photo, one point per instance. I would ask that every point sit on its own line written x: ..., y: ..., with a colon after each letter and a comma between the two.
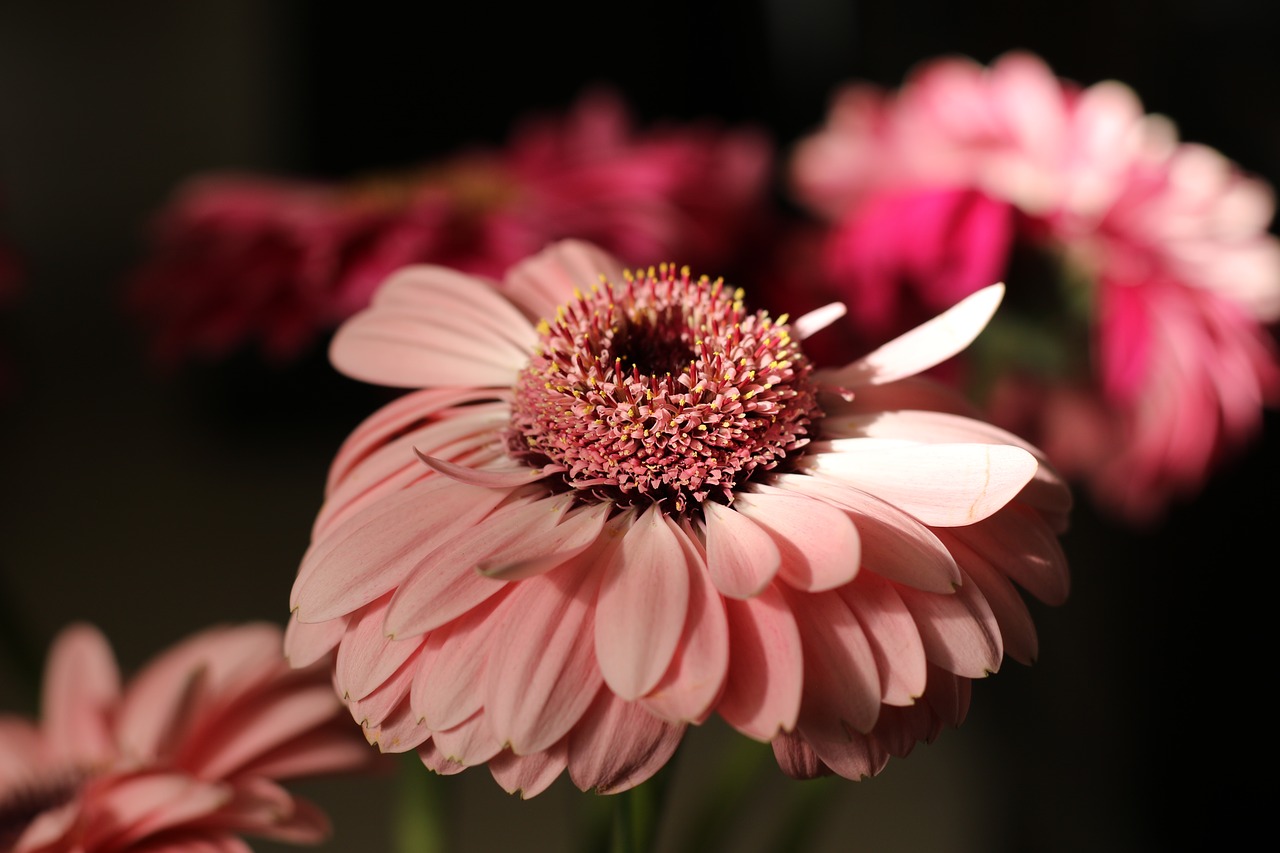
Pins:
x: 591, y: 530
x: 1145, y: 278
x: 237, y: 258
x: 186, y: 756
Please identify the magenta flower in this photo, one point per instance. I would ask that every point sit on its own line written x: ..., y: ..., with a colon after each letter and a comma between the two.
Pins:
x: 585, y: 533
x: 241, y: 258
x: 1143, y: 271
x: 186, y: 756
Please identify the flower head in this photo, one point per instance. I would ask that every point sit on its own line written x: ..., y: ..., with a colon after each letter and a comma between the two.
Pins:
x: 237, y: 258
x: 584, y: 534
x: 187, y: 755
x: 1136, y: 350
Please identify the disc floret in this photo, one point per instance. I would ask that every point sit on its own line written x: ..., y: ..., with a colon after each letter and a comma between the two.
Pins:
x: 662, y: 388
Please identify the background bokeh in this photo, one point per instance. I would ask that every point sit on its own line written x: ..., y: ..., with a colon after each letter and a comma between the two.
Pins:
x: 153, y: 503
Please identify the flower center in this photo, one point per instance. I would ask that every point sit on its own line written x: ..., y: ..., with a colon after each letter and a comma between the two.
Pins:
x: 662, y: 388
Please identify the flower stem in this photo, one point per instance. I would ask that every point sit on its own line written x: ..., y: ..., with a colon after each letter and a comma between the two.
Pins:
x: 421, y: 806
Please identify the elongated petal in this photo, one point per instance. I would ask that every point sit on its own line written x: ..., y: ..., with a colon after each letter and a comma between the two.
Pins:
x: 1022, y: 545
x: 429, y: 326
x: 367, y: 656
x: 469, y: 743
x: 1017, y: 629
x: 766, y: 666
x: 537, y: 688
x: 506, y: 476
x: 691, y: 685
x: 618, y: 745
x: 306, y: 643
x: 546, y: 281
x: 895, y: 545
x: 644, y: 598
x: 817, y: 320
x: 959, y: 631
x: 742, y: 558
x: 841, y: 680
x: 895, y: 640
x: 81, y: 690
x: 925, y: 346
x: 818, y: 543
x: 547, y: 548
x: 452, y: 662
x: 373, y: 552
x: 529, y: 775
x: 943, y: 485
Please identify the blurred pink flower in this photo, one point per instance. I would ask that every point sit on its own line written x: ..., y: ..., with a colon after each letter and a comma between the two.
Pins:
x: 586, y: 533
x: 237, y: 258
x: 186, y: 756
x: 1136, y: 351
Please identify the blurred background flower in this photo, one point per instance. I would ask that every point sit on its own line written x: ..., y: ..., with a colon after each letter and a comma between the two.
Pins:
x: 1144, y: 281
x: 187, y: 754
x: 157, y: 502
x: 241, y: 258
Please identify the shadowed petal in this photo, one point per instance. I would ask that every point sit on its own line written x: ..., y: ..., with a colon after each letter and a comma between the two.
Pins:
x: 818, y: 543
x: 618, y: 745
x: 529, y: 775
x: 766, y: 666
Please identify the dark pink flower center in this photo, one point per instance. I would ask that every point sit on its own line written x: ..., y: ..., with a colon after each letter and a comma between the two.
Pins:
x: 662, y: 388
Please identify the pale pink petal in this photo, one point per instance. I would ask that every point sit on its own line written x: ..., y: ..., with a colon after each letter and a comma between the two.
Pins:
x: 327, y: 749
x: 766, y: 666
x: 817, y: 320
x: 469, y: 743
x: 644, y: 598
x: 693, y: 682
x: 742, y: 558
x: 307, y: 642
x: 385, y: 699
x: 447, y: 583
x: 429, y: 326
x: 367, y: 656
x: 943, y: 485
x: 818, y: 543
x: 451, y: 664
x: 925, y: 346
x: 547, y: 548
x: 372, y: 552
x: 895, y: 640
x: 544, y: 282
x: 1023, y: 546
x: 841, y: 680
x: 529, y: 775
x: 131, y: 808
x: 895, y: 545
x: 1017, y: 629
x: 398, y: 731
x: 538, y: 687
x: 506, y: 476
x: 617, y: 745
x: 81, y: 690
x: 959, y: 631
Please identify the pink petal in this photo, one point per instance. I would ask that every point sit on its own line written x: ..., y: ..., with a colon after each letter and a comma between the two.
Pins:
x: 841, y: 680
x: 943, y: 485
x: 548, y: 548
x: 796, y: 758
x: 617, y: 745
x: 850, y: 754
x: 430, y: 326
x: 742, y: 558
x: 895, y: 640
x: 1018, y: 542
x: 818, y: 543
x: 372, y: 552
x: 1017, y: 629
x: 925, y: 346
x: 307, y: 642
x: 398, y: 731
x: 817, y: 320
x: 447, y: 583
x: 367, y: 656
x: 539, y: 683
x: 959, y: 631
x: 644, y: 598
x: 544, y: 282
x: 444, y: 692
x: 526, y: 776
x: 471, y: 743
x: 693, y: 682
x: 132, y: 808
x: 766, y: 666
x: 328, y: 749
x: 81, y: 691
x: 505, y: 476
x: 895, y: 545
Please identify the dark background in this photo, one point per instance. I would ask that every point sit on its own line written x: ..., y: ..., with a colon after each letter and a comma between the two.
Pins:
x: 154, y: 504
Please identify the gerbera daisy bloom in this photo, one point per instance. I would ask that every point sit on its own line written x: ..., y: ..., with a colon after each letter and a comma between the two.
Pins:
x: 588, y: 531
x: 187, y: 755
x: 235, y: 258
x: 1137, y: 351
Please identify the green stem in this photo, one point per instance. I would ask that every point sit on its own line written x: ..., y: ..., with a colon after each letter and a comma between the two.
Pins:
x: 421, y: 807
